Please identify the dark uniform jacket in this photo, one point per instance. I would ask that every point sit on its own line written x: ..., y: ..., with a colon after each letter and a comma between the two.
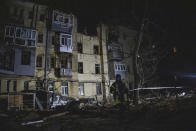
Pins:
x: 119, y: 92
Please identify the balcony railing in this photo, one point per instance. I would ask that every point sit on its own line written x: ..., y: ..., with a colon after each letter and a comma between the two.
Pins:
x: 62, y: 22
x: 65, y: 72
x: 20, y: 36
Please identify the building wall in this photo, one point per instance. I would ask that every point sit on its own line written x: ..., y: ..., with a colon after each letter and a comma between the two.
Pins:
x: 89, y: 59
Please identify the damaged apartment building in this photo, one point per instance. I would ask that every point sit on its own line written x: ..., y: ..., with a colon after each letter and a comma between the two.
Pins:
x: 41, y: 49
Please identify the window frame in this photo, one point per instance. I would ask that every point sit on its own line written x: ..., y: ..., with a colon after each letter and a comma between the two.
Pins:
x: 26, y: 85
x: 40, y: 38
x: 64, y: 88
x: 24, y: 59
x: 96, y: 50
x: 80, y: 69
x: 15, y: 85
x: 39, y: 63
x: 80, y: 50
x: 81, y: 89
x: 97, y: 68
x: 98, y: 88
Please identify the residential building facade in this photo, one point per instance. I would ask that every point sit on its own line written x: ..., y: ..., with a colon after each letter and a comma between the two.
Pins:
x: 42, y: 50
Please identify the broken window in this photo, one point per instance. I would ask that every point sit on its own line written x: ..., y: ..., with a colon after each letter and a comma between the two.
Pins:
x: 64, y: 62
x: 52, y: 62
x: 97, y: 68
x: 14, y: 85
x: 26, y: 85
x: 26, y: 57
x: 50, y: 86
x: 40, y: 38
x: 80, y: 67
x: 96, y: 50
x: 98, y: 88
x: 81, y: 89
x: 80, y: 49
x: 60, y: 18
x: 64, y: 88
x: 9, y: 31
x: 39, y: 61
x: 42, y: 17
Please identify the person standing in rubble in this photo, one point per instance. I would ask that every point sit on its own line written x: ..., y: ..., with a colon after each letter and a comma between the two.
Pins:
x: 120, y: 93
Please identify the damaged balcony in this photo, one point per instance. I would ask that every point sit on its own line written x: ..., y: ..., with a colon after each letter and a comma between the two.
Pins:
x: 115, y: 52
x: 62, y: 22
x: 65, y: 66
x: 20, y: 36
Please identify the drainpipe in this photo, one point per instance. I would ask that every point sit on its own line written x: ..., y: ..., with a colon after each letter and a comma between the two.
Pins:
x: 46, y: 52
x: 102, y: 63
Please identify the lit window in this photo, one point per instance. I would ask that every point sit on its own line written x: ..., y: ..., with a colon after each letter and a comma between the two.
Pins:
x: 64, y: 88
x: 65, y: 40
x: 81, y: 89
x: 98, y: 88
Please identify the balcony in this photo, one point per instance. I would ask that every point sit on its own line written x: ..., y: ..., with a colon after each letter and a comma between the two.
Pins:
x: 61, y: 22
x: 65, y: 43
x: 20, y: 36
x: 62, y: 72
x: 115, y: 52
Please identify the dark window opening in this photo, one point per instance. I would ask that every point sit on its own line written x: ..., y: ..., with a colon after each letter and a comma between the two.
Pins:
x: 15, y: 85
x: 40, y: 38
x: 96, y: 50
x: 21, y: 13
x: 8, y: 85
x: 30, y: 15
x: 97, y: 68
x: 80, y: 67
x: 64, y: 63
x: 42, y: 17
x: 39, y: 61
x: 26, y: 85
x: 80, y: 49
x: 53, y: 40
x: 52, y: 62
x: 15, y: 11
x: 26, y: 58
